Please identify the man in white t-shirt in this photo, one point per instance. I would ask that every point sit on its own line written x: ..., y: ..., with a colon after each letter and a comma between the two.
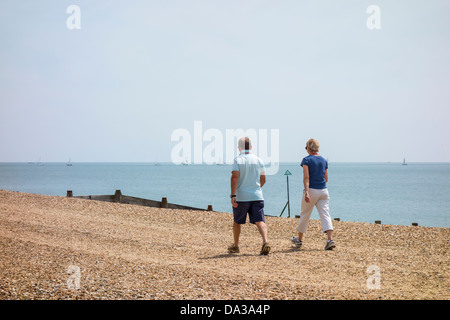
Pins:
x: 247, y: 178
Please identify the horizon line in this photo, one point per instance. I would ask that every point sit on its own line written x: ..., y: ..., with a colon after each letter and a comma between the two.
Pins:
x: 213, y: 164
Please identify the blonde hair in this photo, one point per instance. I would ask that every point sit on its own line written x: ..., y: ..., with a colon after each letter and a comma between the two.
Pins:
x: 313, y: 145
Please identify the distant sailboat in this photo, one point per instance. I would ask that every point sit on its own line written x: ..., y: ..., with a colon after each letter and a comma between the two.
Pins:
x: 220, y: 162
x: 404, y: 162
x: 69, y: 164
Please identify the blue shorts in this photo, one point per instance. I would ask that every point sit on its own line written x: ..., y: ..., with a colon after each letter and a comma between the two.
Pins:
x: 255, y: 210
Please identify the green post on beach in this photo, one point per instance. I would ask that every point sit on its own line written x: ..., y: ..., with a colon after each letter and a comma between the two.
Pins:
x: 287, y: 174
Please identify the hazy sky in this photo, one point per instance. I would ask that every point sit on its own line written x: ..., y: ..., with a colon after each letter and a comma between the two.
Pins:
x: 116, y: 89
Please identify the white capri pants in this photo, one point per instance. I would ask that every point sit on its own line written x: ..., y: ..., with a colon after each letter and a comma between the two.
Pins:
x: 319, y: 198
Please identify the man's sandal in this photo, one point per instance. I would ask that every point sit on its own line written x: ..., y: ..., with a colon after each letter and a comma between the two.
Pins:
x: 233, y: 249
x: 265, y: 249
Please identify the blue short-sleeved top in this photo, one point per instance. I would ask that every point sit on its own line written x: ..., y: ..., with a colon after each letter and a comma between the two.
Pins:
x: 250, y: 168
x: 317, y: 166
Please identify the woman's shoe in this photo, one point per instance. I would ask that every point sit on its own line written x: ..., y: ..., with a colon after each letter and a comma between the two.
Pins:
x: 296, y: 242
x: 330, y: 245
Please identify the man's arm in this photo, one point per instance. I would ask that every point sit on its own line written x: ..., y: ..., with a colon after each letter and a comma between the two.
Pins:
x: 234, y: 181
x: 262, y: 179
x: 234, y: 184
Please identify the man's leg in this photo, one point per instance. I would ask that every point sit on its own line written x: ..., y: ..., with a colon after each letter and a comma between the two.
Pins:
x: 262, y: 228
x: 236, y: 233
x: 256, y: 213
x: 239, y: 217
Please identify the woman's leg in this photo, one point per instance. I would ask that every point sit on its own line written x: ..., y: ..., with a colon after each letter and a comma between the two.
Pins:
x: 323, y: 208
x: 307, y: 208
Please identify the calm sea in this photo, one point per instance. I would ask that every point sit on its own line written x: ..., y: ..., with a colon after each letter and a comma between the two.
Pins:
x: 390, y: 192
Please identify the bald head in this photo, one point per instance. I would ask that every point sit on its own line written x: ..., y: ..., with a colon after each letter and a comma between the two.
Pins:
x: 244, y: 143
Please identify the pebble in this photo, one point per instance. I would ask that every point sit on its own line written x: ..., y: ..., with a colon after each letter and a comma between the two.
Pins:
x: 131, y: 252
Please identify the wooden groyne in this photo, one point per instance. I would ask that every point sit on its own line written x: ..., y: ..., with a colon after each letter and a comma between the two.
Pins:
x: 118, y: 197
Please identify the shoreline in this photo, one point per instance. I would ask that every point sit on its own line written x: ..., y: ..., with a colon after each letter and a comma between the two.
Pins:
x: 401, y: 202
x: 132, y: 252
x: 230, y: 212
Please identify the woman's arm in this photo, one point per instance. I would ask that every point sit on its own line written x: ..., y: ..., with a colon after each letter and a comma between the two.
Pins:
x: 306, y: 182
x: 326, y: 175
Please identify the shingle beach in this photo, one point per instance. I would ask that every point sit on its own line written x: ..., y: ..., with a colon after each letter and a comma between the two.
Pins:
x: 65, y: 248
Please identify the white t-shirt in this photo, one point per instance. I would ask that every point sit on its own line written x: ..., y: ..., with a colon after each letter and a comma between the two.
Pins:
x: 250, y: 168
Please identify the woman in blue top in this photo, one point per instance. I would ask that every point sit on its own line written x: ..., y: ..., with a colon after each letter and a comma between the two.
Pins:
x: 315, y: 178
